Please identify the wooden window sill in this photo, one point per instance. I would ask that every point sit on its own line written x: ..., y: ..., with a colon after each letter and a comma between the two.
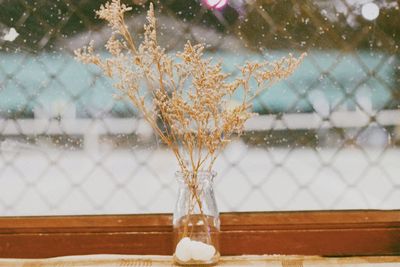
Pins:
x: 325, y: 233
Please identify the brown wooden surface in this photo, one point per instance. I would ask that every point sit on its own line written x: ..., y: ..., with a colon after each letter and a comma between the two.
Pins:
x: 231, y: 261
x: 334, y: 233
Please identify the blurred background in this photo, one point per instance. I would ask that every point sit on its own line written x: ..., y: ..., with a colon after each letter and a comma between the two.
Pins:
x: 327, y: 138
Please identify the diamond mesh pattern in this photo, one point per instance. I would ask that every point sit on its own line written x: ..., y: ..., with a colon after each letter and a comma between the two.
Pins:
x: 327, y: 138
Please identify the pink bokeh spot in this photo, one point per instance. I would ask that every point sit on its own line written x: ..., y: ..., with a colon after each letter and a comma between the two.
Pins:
x: 218, y: 4
x: 221, y: 4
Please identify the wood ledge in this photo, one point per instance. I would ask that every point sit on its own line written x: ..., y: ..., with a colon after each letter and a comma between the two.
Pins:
x: 329, y: 233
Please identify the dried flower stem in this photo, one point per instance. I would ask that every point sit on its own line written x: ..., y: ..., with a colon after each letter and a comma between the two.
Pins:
x: 188, y: 94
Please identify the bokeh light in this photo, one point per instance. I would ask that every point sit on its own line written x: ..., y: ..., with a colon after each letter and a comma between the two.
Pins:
x: 370, y: 11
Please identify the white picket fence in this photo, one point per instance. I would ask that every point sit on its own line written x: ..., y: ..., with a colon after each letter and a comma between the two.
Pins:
x: 92, y: 129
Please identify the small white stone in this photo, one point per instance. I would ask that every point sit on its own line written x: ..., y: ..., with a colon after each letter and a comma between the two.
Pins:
x: 183, y: 249
x: 209, y: 251
x: 201, y: 251
x: 196, y: 249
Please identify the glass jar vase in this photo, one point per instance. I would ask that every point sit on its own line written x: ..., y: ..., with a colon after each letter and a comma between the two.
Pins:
x: 196, y: 220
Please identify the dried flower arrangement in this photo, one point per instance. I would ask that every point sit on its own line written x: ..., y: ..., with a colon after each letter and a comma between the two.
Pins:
x: 187, y: 93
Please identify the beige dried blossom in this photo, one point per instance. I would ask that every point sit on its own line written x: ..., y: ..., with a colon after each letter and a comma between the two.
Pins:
x: 186, y: 99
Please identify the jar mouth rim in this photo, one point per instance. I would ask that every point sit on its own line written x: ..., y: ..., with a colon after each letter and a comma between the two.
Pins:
x: 202, y: 175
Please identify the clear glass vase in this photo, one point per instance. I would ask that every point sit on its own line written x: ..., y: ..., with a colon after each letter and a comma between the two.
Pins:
x: 196, y: 220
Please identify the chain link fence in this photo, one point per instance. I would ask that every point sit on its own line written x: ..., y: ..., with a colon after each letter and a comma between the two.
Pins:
x: 327, y: 138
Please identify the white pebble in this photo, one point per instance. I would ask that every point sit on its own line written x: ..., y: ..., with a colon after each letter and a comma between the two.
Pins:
x: 201, y: 251
x: 209, y: 252
x: 196, y: 250
x: 188, y: 249
x: 183, y: 249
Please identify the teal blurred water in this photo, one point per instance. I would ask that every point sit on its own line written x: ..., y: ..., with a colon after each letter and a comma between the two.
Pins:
x: 335, y: 79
